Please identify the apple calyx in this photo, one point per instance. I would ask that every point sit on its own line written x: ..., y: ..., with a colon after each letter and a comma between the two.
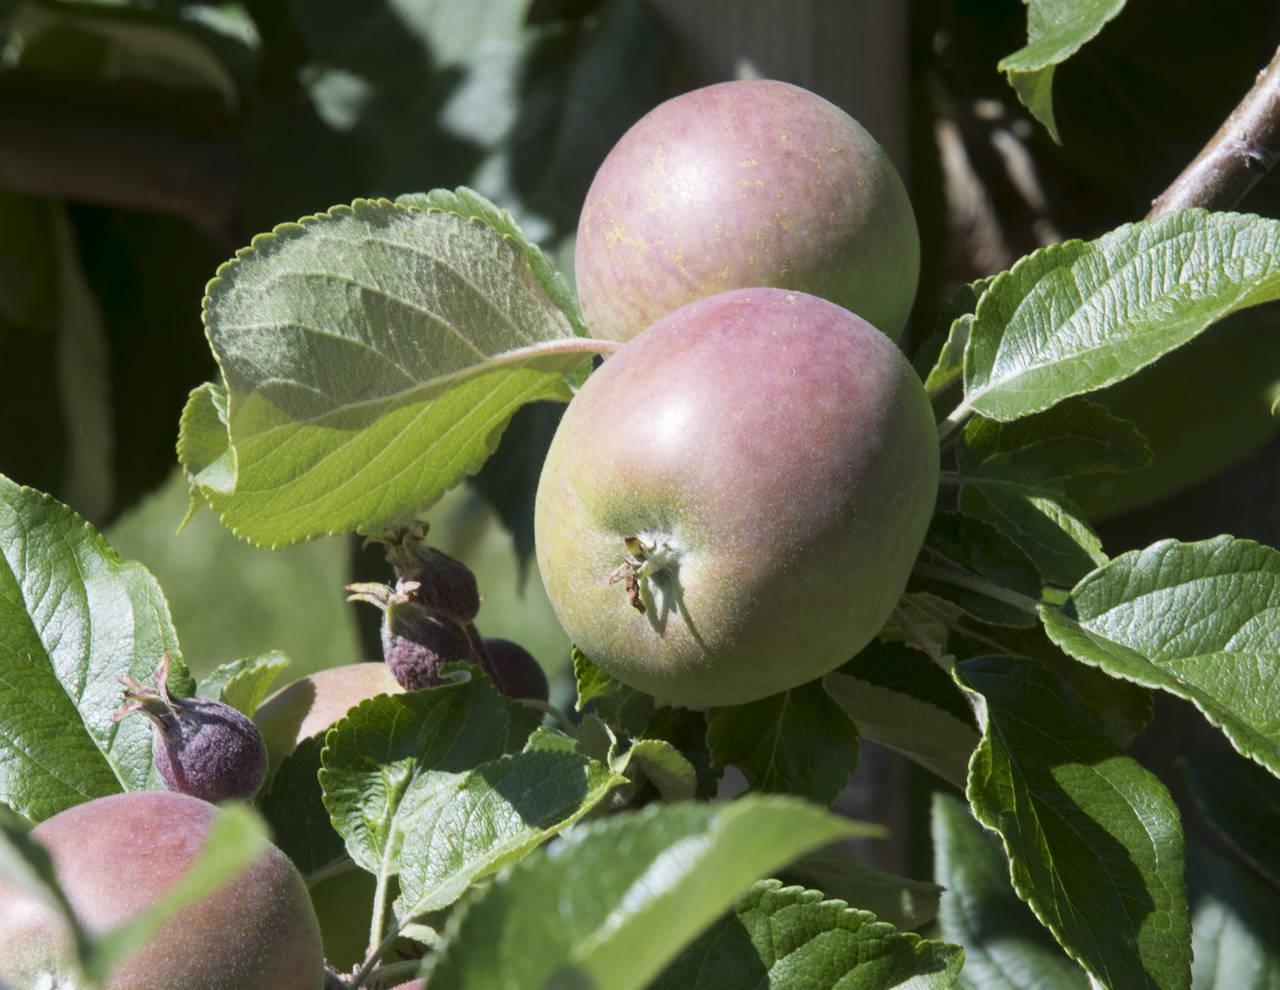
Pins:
x: 641, y: 560
x: 155, y: 702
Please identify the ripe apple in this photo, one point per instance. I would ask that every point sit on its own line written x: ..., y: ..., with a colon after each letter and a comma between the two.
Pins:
x: 115, y: 856
x: 747, y: 183
x: 732, y: 503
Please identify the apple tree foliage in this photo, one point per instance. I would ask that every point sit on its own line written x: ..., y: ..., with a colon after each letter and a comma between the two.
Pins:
x: 368, y: 358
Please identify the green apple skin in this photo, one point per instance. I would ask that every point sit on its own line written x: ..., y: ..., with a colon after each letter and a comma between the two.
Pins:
x: 115, y: 856
x: 312, y: 703
x: 785, y: 455
x: 746, y: 183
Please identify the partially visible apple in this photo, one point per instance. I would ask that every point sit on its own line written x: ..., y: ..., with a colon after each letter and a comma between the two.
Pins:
x: 114, y: 857
x: 733, y: 502
x: 312, y: 703
x: 747, y: 183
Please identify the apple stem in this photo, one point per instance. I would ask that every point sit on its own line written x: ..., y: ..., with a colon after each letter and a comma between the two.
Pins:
x: 982, y: 586
x: 955, y: 419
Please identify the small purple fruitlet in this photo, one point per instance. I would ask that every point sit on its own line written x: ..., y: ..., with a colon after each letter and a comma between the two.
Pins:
x: 201, y: 747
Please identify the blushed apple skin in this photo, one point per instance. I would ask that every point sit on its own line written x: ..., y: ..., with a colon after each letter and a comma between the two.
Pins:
x: 313, y: 703
x: 786, y: 451
x: 115, y: 856
x: 746, y: 183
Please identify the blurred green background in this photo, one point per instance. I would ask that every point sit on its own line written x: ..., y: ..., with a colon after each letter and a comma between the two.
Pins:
x: 143, y: 141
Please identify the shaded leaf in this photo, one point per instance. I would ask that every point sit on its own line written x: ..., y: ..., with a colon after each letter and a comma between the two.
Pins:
x: 796, y: 742
x: 1005, y: 948
x: 1242, y: 802
x: 624, y: 709
x: 900, y: 698
x: 1093, y: 839
x: 1011, y: 475
x: 1231, y: 926
x: 900, y: 901
x: 959, y: 548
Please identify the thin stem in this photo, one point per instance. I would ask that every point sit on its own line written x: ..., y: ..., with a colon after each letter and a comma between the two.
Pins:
x: 553, y: 711
x: 375, y: 951
x: 988, y: 589
x: 954, y: 421
x: 377, y: 942
x: 928, y: 645
x: 1236, y: 157
x: 391, y: 972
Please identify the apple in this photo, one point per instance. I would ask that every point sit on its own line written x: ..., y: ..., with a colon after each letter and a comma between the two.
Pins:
x: 312, y: 703
x: 115, y: 856
x: 747, y: 183
x: 733, y: 501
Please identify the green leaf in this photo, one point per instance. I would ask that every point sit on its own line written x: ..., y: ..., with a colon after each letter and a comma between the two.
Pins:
x: 1056, y: 29
x: 243, y: 684
x: 626, y: 894
x: 789, y: 938
x: 235, y: 839
x: 1093, y: 839
x: 471, y: 825
x: 796, y: 742
x: 377, y: 760
x: 293, y: 805
x: 74, y: 616
x: 1230, y: 926
x: 1075, y: 437
x: 1005, y: 948
x: 1011, y: 475
x: 949, y: 365
x: 1120, y: 709
x: 900, y: 698
x: 686, y: 730
x: 1242, y: 803
x: 204, y: 445
x: 1197, y: 620
x: 371, y: 357
x: 623, y: 709
x: 1035, y: 92
x: 659, y: 763
x: 468, y: 203
x: 900, y: 901
x: 970, y: 563
x: 1078, y: 316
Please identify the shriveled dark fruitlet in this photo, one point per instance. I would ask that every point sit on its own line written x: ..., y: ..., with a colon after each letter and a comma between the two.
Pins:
x: 430, y: 576
x: 201, y: 747
x: 416, y: 640
x: 514, y: 670
x: 115, y: 857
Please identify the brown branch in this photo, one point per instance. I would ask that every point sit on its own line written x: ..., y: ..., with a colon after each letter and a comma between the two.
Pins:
x: 1239, y: 154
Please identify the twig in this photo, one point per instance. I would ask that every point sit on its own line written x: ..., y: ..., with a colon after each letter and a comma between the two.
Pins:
x: 1239, y: 154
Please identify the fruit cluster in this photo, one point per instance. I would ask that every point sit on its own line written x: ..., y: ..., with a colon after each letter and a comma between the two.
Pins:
x: 732, y: 503
x: 428, y: 620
